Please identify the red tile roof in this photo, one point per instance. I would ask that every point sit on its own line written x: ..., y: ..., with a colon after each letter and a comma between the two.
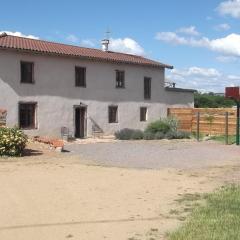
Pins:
x: 45, y: 47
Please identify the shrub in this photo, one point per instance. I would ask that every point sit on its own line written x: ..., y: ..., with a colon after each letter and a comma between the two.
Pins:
x: 127, y: 134
x: 148, y: 135
x: 158, y: 126
x: 137, y: 135
x: 171, y: 135
x: 12, y: 142
x: 159, y: 135
x: 173, y: 123
x: 124, y: 134
x: 177, y: 135
x: 183, y: 135
x: 163, y: 125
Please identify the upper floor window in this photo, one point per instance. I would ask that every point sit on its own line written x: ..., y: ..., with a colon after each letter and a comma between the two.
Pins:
x: 120, y: 79
x: 147, y: 88
x: 112, y: 114
x: 27, y: 115
x: 27, y: 72
x: 80, y: 76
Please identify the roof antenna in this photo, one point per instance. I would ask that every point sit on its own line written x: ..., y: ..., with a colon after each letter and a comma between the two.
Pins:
x: 105, y: 42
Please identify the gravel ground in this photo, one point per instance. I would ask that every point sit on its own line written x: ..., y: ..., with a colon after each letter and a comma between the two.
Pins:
x: 156, y: 154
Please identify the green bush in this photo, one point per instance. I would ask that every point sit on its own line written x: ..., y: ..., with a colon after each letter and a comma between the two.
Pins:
x: 183, y: 135
x: 163, y: 125
x: 127, y: 134
x: 158, y: 126
x: 177, y: 135
x: 137, y: 135
x: 148, y: 135
x: 159, y: 135
x: 12, y: 142
x: 163, y: 128
x: 124, y: 134
x: 171, y: 135
x: 173, y: 123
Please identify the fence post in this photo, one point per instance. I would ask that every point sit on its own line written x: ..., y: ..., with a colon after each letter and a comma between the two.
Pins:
x: 237, y: 130
x: 198, y: 126
x: 226, y: 128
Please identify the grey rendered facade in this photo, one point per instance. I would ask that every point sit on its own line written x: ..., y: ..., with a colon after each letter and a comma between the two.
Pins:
x: 57, y: 98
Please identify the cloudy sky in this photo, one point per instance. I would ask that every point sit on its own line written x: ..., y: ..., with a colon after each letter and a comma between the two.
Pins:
x: 201, y: 39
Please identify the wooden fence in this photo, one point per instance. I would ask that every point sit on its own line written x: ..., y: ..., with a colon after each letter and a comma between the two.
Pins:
x: 213, y: 121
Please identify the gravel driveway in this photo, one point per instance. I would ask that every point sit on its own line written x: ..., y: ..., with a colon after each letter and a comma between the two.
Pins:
x: 156, y: 154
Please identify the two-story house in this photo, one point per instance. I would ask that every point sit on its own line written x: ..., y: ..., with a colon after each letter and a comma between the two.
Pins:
x: 45, y: 86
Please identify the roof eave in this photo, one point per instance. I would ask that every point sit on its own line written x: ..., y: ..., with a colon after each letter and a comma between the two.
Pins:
x: 87, y: 57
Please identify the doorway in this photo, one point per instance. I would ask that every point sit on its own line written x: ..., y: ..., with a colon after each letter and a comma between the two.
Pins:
x: 80, y: 122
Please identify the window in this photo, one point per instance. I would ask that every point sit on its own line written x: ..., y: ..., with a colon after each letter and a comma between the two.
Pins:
x: 80, y: 76
x: 143, y: 114
x: 27, y: 115
x: 112, y: 114
x: 120, y: 79
x: 27, y: 72
x: 147, y: 88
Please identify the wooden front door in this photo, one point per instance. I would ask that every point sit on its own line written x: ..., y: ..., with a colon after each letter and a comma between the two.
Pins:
x: 80, y: 122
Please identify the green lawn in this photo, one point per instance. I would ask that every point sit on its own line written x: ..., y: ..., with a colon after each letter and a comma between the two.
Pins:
x: 221, y: 138
x: 217, y: 219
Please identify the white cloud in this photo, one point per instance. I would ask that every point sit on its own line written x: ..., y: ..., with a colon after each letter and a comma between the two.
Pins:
x: 171, y: 37
x: 202, y: 79
x: 234, y: 77
x: 88, y: 43
x: 229, y: 45
x: 230, y: 7
x: 226, y: 59
x: 126, y: 45
x: 84, y: 42
x: 19, y: 34
x: 189, y: 31
x: 197, y: 71
x: 222, y: 27
x: 72, y: 38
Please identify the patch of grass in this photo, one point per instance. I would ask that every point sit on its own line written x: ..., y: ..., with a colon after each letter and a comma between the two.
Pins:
x: 174, y: 212
x: 194, y: 135
x: 221, y: 139
x: 217, y: 219
x: 188, y: 197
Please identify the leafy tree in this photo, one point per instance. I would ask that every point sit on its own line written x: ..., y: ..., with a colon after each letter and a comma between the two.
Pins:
x: 211, y: 100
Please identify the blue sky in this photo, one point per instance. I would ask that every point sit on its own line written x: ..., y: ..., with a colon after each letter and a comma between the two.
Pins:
x: 200, y: 38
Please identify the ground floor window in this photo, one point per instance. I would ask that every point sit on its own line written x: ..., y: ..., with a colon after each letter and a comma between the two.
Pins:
x: 112, y: 114
x: 143, y: 114
x: 27, y: 115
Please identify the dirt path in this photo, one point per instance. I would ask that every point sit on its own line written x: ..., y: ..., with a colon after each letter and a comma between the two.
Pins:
x: 58, y: 198
x: 158, y: 154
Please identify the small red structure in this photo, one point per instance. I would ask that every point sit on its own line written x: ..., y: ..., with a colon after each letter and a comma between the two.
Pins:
x: 233, y: 92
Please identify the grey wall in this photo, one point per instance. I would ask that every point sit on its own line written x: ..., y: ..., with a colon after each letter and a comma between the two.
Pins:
x: 55, y: 93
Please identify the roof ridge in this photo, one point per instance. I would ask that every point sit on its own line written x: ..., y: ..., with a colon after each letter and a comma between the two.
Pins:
x: 4, y: 34
x: 48, y: 41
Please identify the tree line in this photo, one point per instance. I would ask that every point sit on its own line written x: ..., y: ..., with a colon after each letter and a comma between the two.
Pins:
x: 211, y: 100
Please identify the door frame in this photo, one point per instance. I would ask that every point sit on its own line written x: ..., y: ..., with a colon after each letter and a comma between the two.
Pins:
x: 84, y: 107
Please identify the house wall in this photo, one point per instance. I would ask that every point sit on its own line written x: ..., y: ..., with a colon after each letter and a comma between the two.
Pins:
x: 56, y: 95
